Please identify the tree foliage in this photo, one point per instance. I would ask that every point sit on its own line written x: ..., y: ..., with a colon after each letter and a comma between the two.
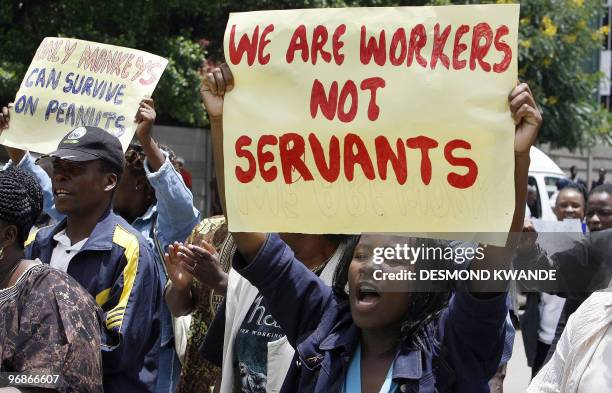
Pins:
x: 157, y: 26
x: 558, y: 38
x: 559, y: 42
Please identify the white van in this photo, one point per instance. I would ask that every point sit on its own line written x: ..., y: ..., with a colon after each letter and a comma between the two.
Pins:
x: 544, y: 174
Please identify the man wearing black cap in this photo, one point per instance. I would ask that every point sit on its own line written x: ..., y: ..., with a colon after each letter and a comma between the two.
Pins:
x: 105, y: 255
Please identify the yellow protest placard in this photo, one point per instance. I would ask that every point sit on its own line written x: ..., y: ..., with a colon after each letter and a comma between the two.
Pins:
x: 71, y: 83
x: 371, y: 119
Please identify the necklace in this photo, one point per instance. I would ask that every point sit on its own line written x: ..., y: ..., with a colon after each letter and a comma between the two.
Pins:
x: 10, y: 274
x: 317, y: 268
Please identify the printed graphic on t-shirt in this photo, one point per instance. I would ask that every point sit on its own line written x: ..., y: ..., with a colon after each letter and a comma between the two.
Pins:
x: 251, y: 348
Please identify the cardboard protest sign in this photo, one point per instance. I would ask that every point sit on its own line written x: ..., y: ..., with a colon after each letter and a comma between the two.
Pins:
x: 371, y: 119
x: 71, y: 83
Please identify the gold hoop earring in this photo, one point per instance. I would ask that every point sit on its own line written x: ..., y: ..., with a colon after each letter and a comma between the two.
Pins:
x: 1, y: 253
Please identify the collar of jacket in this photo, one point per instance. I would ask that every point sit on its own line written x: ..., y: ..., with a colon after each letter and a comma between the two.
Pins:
x: 334, y: 333
x: 408, y: 364
x: 148, y: 215
x: 343, y: 336
x: 101, y: 238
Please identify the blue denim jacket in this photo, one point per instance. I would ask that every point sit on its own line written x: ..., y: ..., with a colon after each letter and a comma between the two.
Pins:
x: 468, y: 338
x: 176, y: 215
x: 173, y: 218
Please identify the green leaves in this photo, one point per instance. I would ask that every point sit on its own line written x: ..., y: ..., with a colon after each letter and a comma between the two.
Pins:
x: 559, y: 43
x: 155, y: 26
x: 558, y: 48
x: 178, y: 90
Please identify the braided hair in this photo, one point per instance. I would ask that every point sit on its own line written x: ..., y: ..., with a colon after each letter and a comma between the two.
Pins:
x: 21, y: 200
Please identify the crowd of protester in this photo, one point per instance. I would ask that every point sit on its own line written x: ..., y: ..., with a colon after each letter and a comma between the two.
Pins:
x: 125, y: 288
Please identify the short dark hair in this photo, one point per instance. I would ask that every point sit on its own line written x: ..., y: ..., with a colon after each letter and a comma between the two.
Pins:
x: 21, y: 201
x: 337, y: 238
x: 576, y: 187
x: 108, y: 167
x: 606, y: 188
x: 134, y: 163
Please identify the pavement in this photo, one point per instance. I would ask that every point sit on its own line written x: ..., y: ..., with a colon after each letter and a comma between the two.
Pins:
x: 518, y: 374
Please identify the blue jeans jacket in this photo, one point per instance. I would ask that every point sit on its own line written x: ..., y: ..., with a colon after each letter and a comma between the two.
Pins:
x: 467, y: 339
x: 172, y: 218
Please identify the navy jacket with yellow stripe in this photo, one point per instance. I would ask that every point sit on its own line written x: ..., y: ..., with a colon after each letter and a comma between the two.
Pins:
x: 116, y: 266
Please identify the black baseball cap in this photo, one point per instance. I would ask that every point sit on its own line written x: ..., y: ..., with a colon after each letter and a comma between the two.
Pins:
x: 89, y: 143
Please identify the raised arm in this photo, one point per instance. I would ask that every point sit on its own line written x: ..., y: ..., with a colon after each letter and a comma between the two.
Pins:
x: 527, y: 120
x: 24, y: 160
x: 296, y: 297
x: 176, y: 215
x: 145, y: 117
x: 213, y: 89
x: 474, y: 324
x: 16, y: 155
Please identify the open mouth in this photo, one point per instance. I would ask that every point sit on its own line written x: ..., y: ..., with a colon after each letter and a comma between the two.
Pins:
x: 368, y: 296
x: 60, y: 192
